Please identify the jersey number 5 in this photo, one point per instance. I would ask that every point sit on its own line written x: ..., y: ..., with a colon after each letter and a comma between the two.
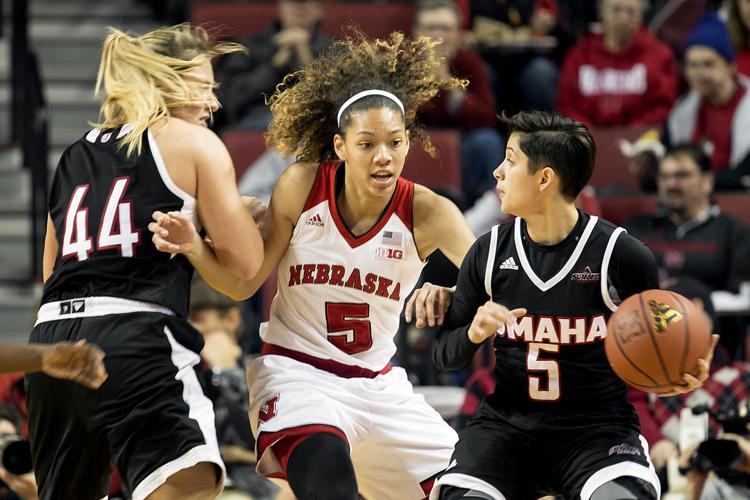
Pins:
x: 115, y: 227
x: 549, y: 366
x: 348, y: 326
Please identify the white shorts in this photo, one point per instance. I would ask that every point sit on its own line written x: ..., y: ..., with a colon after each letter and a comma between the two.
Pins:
x: 398, y: 442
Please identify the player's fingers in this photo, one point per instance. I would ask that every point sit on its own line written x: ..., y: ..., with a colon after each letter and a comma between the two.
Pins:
x: 419, y: 308
x: 519, y: 312
x: 157, y: 215
x: 703, y: 369
x: 430, y: 306
x: 445, y: 302
x: 714, y: 342
x: 409, y: 307
x: 156, y: 228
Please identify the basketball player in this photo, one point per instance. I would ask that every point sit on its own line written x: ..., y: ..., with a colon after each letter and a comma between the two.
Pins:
x: 105, y: 281
x: 558, y: 420
x: 350, y: 238
x: 79, y: 362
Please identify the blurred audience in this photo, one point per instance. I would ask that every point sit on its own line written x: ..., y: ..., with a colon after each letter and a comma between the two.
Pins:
x: 715, y: 112
x: 621, y: 76
x: 738, y: 21
x: 523, y: 41
x: 471, y: 110
x: 288, y: 44
x: 219, y: 320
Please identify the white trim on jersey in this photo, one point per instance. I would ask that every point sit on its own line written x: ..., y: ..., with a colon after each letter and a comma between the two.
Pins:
x: 546, y: 285
x: 490, y: 261
x: 633, y: 469
x: 93, y: 134
x: 603, y: 281
x: 468, y: 482
x: 88, y: 307
x: 190, y: 203
x: 201, y: 410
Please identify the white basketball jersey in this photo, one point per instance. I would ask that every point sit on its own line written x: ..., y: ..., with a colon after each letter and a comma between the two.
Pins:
x: 340, y: 296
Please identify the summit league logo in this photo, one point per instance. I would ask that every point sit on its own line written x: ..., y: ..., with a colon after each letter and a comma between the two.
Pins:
x: 585, y: 276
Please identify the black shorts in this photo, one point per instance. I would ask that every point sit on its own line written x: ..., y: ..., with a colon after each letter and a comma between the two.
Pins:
x: 150, y: 415
x: 519, y: 455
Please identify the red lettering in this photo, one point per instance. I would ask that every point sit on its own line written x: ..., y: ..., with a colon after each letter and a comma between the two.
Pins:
x: 383, y: 285
x: 322, y: 276
x: 307, y: 273
x: 294, y: 275
x: 396, y: 295
x: 354, y: 280
x: 337, y: 275
x: 370, y: 280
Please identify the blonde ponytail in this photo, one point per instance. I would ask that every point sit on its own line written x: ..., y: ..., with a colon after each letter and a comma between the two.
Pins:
x: 143, y: 77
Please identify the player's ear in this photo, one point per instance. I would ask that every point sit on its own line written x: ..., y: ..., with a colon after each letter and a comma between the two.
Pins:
x: 545, y: 178
x: 339, y: 145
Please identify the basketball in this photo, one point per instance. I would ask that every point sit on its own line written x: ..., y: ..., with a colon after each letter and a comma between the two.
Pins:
x: 654, y: 338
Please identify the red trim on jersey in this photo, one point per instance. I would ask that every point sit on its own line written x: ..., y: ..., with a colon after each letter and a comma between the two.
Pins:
x: 427, y: 485
x: 319, y: 190
x: 328, y: 365
x: 400, y: 204
x: 284, y: 442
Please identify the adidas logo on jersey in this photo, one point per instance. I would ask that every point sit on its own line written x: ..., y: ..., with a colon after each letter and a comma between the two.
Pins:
x: 315, y: 220
x: 509, y: 263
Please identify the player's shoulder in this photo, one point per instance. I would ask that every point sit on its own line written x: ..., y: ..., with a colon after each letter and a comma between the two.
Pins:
x: 430, y: 206
x: 189, y: 135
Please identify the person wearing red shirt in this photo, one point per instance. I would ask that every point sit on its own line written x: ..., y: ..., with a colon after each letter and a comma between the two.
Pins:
x: 621, y: 76
x: 715, y: 112
x: 471, y: 110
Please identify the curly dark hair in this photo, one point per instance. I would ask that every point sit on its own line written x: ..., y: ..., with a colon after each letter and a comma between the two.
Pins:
x: 306, y: 103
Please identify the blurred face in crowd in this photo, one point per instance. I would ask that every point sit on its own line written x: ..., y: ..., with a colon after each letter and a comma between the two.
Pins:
x: 209, y: 320
x: 743, y: 7
x: 7, y: 428
x: 442, y: 24
x: 683, y: 187
x: 621, y: 20
x: 303, y: 14
x: 707, y: 72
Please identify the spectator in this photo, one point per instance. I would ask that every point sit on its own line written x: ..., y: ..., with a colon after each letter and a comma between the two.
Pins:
x: 521, y: 39
x: 287, y: 45
x: 471, y: 110
x: 621, y: 76
x: 219, y: 320
x: 690, y: 237
x: 14, y: 486
x: 738, y: 23
x: 715, y: 112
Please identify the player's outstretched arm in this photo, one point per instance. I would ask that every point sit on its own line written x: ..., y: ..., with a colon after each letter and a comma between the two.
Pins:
x: 175, y: 234
x: 438, y: 224
x: 80, y: 362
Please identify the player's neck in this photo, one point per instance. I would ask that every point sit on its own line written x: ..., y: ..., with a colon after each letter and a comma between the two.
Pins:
x: 359, y: 210
x: 553, y: 224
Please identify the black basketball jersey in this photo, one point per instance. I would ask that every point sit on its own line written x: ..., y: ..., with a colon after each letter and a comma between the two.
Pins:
x: 553, y: 358
x: 101, y: 204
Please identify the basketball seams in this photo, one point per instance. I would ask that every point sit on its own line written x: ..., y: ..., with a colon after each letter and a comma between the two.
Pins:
x: 653, y: 339
x: 686, y: 327
x: 626, y: 357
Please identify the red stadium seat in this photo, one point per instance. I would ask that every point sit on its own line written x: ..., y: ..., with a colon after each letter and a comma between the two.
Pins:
x: 375, y: 19
x: 611, y: 169
x: 236, y: 19
x: 245, y: 146
x: 735, y: 204
x: 618, y: 209
x: 441, y: 172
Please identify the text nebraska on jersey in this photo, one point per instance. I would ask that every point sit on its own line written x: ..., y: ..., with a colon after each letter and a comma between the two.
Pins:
x: 557, y: 330
x: 336, y: 275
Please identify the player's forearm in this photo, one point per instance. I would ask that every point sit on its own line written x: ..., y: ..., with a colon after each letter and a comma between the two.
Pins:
x: 18, y: 358
x: 218, y: 277
x: 452, y: 349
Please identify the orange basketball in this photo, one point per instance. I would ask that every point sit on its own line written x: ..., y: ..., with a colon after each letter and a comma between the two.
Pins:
x: 654, y: 338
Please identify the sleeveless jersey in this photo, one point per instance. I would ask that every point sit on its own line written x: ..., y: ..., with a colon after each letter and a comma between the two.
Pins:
x: 340, y: 296
x: 101, y: 204
x: 553, y: 358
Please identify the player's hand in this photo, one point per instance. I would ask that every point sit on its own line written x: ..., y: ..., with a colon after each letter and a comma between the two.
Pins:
x: 173, y: 233
x: 257, y: 209
x: 690, y: 381
x: 429, y: 304
x: 662, y: 451
x: 23, y: 485
x: 79, y: 362
x: 489, y: 318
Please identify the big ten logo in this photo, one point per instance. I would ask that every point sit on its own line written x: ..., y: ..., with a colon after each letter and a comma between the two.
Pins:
x: 389, y: 253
